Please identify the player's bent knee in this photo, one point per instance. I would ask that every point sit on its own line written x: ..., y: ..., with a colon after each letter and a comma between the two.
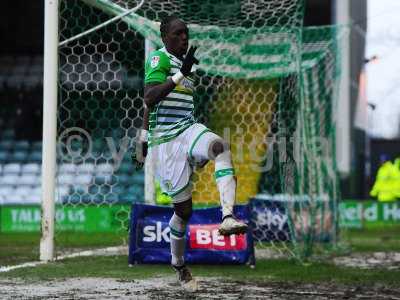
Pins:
x: 217, y: 147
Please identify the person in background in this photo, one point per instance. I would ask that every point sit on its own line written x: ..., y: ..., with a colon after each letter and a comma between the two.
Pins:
x: 386, y: 184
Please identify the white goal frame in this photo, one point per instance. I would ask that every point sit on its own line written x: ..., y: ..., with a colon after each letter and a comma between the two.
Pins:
x: 50, y: 99
x: 50, y: 104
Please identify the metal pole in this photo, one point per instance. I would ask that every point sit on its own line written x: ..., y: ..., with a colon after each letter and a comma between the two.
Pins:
x: 149, y: 184
x: 343, y: 126
x: 50, y: 83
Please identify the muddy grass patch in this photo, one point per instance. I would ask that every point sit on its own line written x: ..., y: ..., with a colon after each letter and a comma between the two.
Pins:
x: 167, y: 288
x: 385, y: 260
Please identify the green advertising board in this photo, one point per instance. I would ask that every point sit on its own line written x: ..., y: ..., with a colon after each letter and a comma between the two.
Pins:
x: 26, y: 218
x: 105, y: 218
x: 368, y: 214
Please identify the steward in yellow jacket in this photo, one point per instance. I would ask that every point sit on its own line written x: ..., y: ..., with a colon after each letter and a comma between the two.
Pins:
x: 386, y: 183
x: 397, y: 177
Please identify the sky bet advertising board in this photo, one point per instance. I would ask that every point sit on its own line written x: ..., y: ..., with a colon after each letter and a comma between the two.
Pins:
x: 150, y: 241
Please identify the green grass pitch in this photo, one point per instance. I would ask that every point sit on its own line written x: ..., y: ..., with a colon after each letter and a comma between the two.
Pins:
x: 23, y: 247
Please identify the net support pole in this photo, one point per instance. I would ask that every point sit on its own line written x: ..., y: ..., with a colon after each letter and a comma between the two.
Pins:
x: 50, y: 82
x: 343, y: 126
x: 149, y: 184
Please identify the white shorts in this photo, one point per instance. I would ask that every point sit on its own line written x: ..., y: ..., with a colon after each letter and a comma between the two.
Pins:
x: 175, y: 160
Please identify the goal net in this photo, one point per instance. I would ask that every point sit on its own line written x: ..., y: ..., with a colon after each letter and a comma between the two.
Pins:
x: 265, y: 83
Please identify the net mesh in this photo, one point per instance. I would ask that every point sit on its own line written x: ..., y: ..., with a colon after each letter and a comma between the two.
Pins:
x: 265, y: 84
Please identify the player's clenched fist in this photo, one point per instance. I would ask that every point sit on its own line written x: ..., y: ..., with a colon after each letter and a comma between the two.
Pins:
x: 189, y: 61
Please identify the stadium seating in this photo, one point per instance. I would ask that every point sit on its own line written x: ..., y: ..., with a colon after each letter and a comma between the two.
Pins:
x: 12, y: 168
x: 9, y: 179
x: 22, y: 72
x: 3, y: 157
x: 31, y: 168
x: 96, y: 180
x: 20, y: 177
x: 67, y: 168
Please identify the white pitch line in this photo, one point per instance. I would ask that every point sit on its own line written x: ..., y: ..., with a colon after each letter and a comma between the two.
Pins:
x: 24, y: 265
x: 119, y: 250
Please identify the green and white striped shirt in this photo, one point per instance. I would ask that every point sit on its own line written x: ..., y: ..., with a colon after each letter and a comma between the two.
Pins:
x: 174, y: 113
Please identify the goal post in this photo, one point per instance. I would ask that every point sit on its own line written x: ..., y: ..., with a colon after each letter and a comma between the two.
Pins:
x: 265, y: 83
x: 50, y: 92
